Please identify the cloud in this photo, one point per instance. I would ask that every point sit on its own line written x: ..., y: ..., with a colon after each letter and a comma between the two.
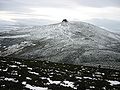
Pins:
x: 3, y: 22
x: 78, y: 13
x: 34, y: 21
x: 46, y: 11
x: 99, y: 3
x: 57, y: 14
x: 111, y: 25
x: 58, y: 9
x: 12, y: 5
x: 24, y: 5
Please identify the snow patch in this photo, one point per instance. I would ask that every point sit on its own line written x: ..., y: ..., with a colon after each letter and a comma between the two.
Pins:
x: 11, y: 79
x: 62, y: 83
x: 33, y: 87
x: 33, y: 73
x: 5, y: 69
x: 23, y: 65
x: 29, y: 68
x: 113, y: 82
x: 68, y: 84
x: 28, y: 78
x: 53, y: 82
x: 13, y: 66
x: 18, y: 62
x: 87, y: 78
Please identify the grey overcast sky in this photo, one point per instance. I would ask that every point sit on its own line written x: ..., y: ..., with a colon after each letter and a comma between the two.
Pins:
x: 104, y: 13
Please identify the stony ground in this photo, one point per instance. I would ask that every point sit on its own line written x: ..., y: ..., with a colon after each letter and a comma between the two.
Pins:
x: 19, y: 74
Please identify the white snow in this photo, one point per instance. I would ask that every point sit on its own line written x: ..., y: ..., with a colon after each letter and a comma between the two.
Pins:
x: 24, y: 82
x: 29, y: 68
x: 13, y: 66
x: 28, y: 78
x: 11, y: 79
x: 78, y: 77
x: 33, y: 73
x: 98, y: 73
x: 18, y: 62
x: 23, y: 65
x: 3, y: 61
x: 87, y: 78
x: 43, y: 77
x: 92, y: 86
x: 113, y: 82
x: 5, y: 69
x: 53, y: 82
x: 33, y: 87
x: 63, y: 83
x: 19, y: 75
x: 2, y: 85
x: 68, y: 84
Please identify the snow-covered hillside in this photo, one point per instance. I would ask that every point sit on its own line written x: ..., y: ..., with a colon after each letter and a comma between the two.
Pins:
x: 65, y: 42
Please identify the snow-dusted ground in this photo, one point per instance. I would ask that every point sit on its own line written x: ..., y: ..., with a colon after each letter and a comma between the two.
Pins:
x: 38, y: 75
x: 64, y: 42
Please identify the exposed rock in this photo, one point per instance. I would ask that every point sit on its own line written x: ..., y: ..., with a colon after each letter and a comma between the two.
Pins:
x: 65, y: 20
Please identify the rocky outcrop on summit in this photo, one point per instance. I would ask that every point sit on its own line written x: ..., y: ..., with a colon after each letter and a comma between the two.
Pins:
x: 65, y: 20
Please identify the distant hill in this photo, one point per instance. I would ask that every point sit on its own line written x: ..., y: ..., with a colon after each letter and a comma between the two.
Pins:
x: 64, y: 42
